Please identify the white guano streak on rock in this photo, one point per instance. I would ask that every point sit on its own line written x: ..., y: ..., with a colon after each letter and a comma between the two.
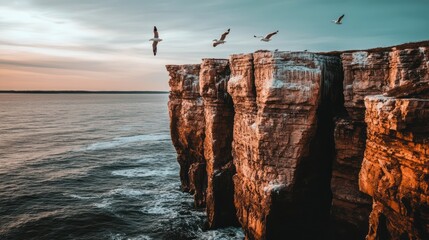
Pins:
x: 360, y: 58
x: 235, y: 79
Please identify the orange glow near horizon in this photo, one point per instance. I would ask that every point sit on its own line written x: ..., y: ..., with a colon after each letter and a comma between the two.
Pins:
x: 44, y: 68
x: 42, y: 51
x: 99, y: 45
x: 26, y: 80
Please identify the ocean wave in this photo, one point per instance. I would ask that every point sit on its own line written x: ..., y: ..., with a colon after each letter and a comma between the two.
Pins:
x: 129, y: 192
x: 121, y: 236
x: 158, y: 208
x: 230, y: 233
x: 80, y: 197
x: 144, y: 172
x: 164, y: 204
x: 116, y: 142
x: 156, y: 157
x: 27, y: 218
x: 105, y: 204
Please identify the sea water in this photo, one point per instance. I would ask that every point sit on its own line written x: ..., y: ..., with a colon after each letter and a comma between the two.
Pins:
x: 93, y: 166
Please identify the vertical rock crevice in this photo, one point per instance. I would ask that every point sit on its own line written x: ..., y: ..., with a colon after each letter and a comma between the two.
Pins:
x: 283, y: 159
x: 287, y: 141
x: 399, y: 72
x: 219, y: 119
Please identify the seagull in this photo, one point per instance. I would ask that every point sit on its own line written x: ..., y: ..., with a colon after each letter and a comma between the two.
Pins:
x: 338, y: 21
x: 155, y: 40
x: 267, y: 38
x: 221, y: 40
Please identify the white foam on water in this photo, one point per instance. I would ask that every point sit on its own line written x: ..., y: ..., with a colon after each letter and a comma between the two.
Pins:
x: 129, y: 192
x: 121, y: 236
x: 156, y: 157
x: 105, y: 204
x: 116, y: 142
x: 144, y: 172
x: 229, y: 233
x: 162, y: 205
x: 142, y: 237
x: 157, y: 208
x: 80, y: 197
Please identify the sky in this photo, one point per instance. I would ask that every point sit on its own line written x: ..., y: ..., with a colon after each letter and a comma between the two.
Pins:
x: 104, y: 44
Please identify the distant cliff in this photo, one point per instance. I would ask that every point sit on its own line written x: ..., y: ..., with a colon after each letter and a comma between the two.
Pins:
x: 307, y: 145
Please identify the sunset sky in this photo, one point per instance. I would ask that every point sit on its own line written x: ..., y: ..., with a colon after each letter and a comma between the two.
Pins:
x: 103, y: 44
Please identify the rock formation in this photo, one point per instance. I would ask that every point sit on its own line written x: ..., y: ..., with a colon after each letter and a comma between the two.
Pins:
x: 282, y: 161
x: 202, y: 117
x: 393, y: 71
x: 219, y: 119
x: 187, y: 125
x: 294, y: 144
x: 395, y: 167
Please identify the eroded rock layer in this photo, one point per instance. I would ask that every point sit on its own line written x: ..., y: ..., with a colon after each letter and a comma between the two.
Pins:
x: 291, y: 144
x: 400, y: 72
x: 375, y: 72
x: 219, y: 119
x: 395, y: 170
x: 282, y: 180
x: 202, y: 117
x: 187, y: 126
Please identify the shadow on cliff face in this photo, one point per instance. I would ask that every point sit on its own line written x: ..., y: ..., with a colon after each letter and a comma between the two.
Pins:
x: 304, y: 213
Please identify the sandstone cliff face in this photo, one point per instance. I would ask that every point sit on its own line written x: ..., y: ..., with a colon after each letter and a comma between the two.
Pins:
x: 393, y: 71
x: 276, y: 148
x: 187, y: 126
x: 219, y: 119
x: 293, y: 146
x: 395, y: 167
x: 375, y: 72
x: 366, y: 73
x: 202, y: 117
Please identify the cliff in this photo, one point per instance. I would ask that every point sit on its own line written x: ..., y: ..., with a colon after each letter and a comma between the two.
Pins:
x: 282, y: 160
x: 296, y: 144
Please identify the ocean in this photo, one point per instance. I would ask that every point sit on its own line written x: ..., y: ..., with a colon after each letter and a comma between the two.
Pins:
x: 93, y: 166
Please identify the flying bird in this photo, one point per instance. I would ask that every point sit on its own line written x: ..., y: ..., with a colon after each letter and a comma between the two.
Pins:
x: 155, y: 40
x: 338, y: 21
x: 267, y: 38
x: 221, y: 40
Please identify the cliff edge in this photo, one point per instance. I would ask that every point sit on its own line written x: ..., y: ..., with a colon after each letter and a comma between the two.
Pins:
x: 307, y: 145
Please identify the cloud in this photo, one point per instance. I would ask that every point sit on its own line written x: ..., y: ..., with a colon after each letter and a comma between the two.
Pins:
x: 109, y: 39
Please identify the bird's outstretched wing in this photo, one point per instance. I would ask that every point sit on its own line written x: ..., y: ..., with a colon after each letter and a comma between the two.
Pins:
x: 155, y: 32
x: 340, y: 18
x: 271, y: 34
x: 154, y: 47
x: 224, y: 35
x: 215, y: 44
